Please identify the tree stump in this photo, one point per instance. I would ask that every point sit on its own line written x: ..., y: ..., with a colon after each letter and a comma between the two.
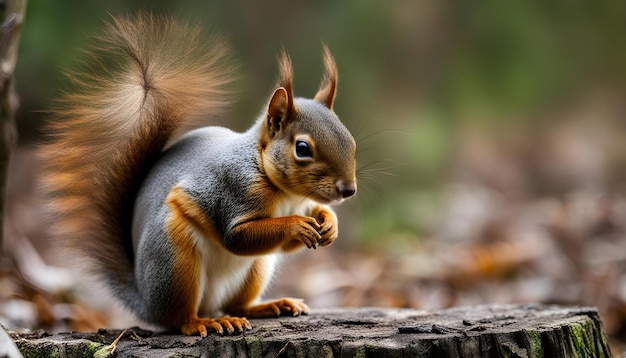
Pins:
x: 482, y: 331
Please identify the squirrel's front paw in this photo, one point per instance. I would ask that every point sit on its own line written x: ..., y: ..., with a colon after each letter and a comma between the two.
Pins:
x: 328, y: 227
x: 306, y: 230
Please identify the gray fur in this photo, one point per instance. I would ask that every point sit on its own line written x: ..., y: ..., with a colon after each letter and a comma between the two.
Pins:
x: 215, y: 166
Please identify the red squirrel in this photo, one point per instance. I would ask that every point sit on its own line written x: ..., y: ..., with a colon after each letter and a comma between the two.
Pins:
x: 186, y: 230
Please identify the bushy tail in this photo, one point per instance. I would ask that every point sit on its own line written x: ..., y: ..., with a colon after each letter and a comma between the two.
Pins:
x: 146, y: 78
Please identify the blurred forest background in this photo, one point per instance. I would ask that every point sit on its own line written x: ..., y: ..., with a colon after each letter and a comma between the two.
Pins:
x: 492, y: 148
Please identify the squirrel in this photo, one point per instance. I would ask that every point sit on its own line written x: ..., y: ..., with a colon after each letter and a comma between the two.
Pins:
x: 186, y: 226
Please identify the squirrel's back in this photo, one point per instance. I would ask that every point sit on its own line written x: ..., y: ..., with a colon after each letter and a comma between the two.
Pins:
x: 216, y: 152
x: 148, y: 78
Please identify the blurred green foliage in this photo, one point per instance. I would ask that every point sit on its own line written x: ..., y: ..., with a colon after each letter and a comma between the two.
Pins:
x: 412, y: 73
x: 526, y: 55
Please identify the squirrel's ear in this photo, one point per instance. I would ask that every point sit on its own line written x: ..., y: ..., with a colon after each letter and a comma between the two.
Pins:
x: 281, y: 107
x: 328, y: 88
x: 278, y: 111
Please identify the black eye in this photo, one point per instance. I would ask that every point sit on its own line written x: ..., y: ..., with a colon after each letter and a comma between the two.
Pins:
x: 303, y: 150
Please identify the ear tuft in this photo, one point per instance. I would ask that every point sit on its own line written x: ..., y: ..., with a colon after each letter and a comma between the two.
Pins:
x: 285, y: 77
x: 328, y: 88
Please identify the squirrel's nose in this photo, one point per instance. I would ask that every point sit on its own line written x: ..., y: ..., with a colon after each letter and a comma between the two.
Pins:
x: 347, y: 189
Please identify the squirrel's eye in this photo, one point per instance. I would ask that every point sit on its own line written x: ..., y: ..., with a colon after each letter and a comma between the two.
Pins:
x: 303, y: 150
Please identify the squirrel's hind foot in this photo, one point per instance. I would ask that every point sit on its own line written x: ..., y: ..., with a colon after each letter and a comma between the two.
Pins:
x: 281, y: 307
x: 229, y: 325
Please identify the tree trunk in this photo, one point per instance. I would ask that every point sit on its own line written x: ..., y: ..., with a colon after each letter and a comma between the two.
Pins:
x: 12, y: 14
x: 483, y: 331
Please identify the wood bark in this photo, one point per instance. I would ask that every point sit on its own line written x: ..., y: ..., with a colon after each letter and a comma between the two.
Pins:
x: 482, y: 331
x: 11, y: 19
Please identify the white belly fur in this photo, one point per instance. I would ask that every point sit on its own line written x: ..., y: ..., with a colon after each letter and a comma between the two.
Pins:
x: 293, y: 206
x: 224, y: 273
